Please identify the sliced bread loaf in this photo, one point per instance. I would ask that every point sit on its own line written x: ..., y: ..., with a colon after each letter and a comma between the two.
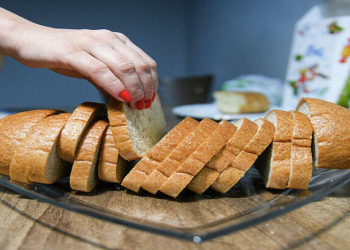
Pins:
x: 40, y: 157
x: 244, y: 131
x: 75, y: 127
x: 135, y: 132
x: 246, y: 158
x: 111, y: 166
x: 183, y: 175
x: 301, y: 156
x: 330, y: 144
x: 183, y: 150
x: 157, y: 154
x: 274, y: 164
x: 13, y: 129
x: 84, y: 171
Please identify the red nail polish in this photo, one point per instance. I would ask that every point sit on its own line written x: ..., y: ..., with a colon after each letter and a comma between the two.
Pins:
x: 154, y: 96
x: 140, y: 104
x: 148, y: 103
x: 125, y: 96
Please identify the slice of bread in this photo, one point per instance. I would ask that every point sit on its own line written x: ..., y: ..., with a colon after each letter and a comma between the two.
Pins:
x: 157, y: 154
x: 84, y: 171
x: 111, y: 166
x: 75, y: 127
x: 301, y: 156
x: 135, y: 132
x: 232, y: 102
x: 41, y: 159
x: 246, y: 158
x: 244, y: 131
x: 183, y: 175
x: 274, y: 164
x: 185, y: 148
x: 13, y: 129
x: 331, y: 137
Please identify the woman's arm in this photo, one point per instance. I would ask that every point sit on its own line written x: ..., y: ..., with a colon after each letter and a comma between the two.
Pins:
x: 107, y: 59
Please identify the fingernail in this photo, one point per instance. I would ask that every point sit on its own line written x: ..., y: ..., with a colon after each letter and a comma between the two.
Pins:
x: 154, y: 96
x: 148, y: 103
x: 125, y: 96
x: 140, y: 104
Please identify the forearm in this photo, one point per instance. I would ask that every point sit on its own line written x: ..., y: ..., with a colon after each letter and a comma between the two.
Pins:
x: 9, y: 25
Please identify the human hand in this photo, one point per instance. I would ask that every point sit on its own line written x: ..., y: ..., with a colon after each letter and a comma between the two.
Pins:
x: 109, y: 60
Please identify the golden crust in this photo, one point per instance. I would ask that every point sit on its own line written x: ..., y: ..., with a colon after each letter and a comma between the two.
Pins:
x: 111, y: 166
x: 83, y: 176
x: 41, y: 147
x: 185, y: 148
x: 331, y: 131
x: 158, y: 153
x: 301, y: 155
x: 13, y: 129
x: 75, y: 127
x: 197, y: 160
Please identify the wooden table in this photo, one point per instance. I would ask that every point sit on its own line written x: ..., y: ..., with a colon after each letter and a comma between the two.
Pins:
x: 29, y: 224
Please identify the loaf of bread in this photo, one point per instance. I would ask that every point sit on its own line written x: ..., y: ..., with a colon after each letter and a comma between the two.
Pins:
x: 135, y: 132
x: 241, y: 102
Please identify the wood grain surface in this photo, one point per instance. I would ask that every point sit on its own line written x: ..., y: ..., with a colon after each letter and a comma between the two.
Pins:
x: 29, y: 224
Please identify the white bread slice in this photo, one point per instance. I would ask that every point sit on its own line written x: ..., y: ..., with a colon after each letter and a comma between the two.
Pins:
x: 183, y: 175
x: 246, y: 158
x: 157, y: 154
x: 331, y: 137
x: 83, y: 176
x: 301, y: 156
x: 111, y: 166
x: 13, y: 129
x: 41, y: 159
x: 241, y: 102
x: 244, y: 131
x: 135, y: 132
x: 185, y: 148
x: 274, y: 164
x: 75, y: 127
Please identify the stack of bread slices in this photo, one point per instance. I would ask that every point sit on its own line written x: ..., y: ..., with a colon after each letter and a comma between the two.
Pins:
x: 95, y: 143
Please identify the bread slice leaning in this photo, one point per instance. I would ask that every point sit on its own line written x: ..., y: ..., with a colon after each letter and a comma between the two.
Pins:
x: 244, y: 131
x: 274, y: 164
x: 157, y: 154
x: 135, y: 132
x: 13, y: 129
x: 84, y: 170
x: 331, y: 137
x: 41, y: 159
x: 301, y: 156
x: 111, y: 166
x: 183, y: 175
x: 246, y: 158
x: 75, y: 127
x: 183, y: 150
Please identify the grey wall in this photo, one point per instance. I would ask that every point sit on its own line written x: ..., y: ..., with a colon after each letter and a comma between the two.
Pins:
x: 223, y: 37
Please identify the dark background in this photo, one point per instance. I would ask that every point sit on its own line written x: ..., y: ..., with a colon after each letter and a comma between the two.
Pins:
x: 224, y: 37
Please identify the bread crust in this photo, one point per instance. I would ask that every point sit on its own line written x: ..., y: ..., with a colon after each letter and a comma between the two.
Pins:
x: 13, y: 129
x: 41, y: 157
x: 75, y: 127
x: 301, y: 155
x: 111, y: 166
x: 331, y: 132
x: 246, y: 158
x: 185, y: 148
x: 183, y: 175
x: 158, y: 153
x: 120, y: 127
x: 83, y: 176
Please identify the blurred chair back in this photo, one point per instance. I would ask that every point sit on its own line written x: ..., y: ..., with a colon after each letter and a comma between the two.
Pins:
x: 183, y: 90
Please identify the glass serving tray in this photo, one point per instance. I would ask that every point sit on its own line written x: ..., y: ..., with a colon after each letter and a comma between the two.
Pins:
x: 191, y: 216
